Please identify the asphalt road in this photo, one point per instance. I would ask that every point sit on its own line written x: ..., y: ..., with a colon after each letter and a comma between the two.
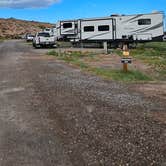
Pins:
x: 52, y: 114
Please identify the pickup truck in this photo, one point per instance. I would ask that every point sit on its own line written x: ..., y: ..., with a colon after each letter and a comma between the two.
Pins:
x: 43, y: 39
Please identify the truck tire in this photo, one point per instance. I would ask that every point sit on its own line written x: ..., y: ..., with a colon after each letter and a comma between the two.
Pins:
x: 37, y: 46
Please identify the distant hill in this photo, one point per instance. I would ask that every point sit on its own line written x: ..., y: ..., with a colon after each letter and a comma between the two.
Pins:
x: 14, y: 28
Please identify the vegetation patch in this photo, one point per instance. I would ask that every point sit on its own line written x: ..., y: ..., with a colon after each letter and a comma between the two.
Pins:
x: 77, y: 58
x: 153, y: 54
x: 2, y: 39
x: 117, y: 51
x: 71, y: 57
x: 120, y: 75
x: 54, y: 53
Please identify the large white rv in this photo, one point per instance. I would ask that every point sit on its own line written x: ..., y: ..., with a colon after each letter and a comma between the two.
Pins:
x: 116, y: 28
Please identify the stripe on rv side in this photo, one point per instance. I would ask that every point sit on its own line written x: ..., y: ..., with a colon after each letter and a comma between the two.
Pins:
x: 139, y: 29
x: 69, y: 31
x: 97, y: 35
x: 153, y: 27
x: 139, y: 15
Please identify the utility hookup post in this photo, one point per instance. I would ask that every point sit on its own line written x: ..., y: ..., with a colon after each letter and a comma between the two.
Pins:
x: 126, y: 60
x: 105, y: 44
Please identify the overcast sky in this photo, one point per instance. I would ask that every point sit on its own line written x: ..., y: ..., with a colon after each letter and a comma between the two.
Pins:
x: 53, y: 10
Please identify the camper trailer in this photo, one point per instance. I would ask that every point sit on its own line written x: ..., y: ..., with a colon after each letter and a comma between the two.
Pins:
x: 115, y: 28
x: 67, y: 29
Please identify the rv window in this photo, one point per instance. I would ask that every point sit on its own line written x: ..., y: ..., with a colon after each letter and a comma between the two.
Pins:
x: 103, y: 28
x: 89, y: 29
x: 144, y: 22
x: 67, y: 25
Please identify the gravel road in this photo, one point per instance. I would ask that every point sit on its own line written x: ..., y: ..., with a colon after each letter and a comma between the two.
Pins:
x: 52, y: 114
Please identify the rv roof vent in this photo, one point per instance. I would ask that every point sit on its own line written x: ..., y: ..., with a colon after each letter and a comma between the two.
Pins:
x: 114, y: 15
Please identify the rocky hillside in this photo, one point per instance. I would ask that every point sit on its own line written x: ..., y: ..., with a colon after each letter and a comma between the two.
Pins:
x: 14, y: 28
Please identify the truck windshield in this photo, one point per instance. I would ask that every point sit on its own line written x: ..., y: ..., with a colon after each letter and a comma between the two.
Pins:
x: 44, y: 34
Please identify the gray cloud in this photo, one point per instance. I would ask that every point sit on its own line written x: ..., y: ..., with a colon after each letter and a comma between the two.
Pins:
x: 26, y: 3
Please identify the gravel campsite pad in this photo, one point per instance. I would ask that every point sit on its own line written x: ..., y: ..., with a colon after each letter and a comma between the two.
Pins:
x: 52, y: 113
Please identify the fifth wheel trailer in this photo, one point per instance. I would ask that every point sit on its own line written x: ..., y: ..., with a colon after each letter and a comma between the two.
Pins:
x: 116, y: 28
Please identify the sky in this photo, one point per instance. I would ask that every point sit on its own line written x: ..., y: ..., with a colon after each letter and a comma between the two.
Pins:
x: 54, y: 10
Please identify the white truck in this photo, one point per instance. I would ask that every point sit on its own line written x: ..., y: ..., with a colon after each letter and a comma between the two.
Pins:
x: 44, y: 39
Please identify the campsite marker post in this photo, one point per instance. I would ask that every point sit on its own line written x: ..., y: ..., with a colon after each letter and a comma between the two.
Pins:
x: 125, y: 60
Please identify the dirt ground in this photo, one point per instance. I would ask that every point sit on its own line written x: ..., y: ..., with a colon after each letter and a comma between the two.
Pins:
x: 52, y: 114
x: 113, y: 61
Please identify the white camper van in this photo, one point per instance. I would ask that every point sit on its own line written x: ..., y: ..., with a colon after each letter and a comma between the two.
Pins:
x: 116, y: 28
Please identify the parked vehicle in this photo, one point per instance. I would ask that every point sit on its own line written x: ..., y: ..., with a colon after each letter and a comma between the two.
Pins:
x: 29, y: 37
x: 164, y: 38
x: 116, y: 28
x: 44, y: 39
x: 48, y: 30
x: 51, y: 31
